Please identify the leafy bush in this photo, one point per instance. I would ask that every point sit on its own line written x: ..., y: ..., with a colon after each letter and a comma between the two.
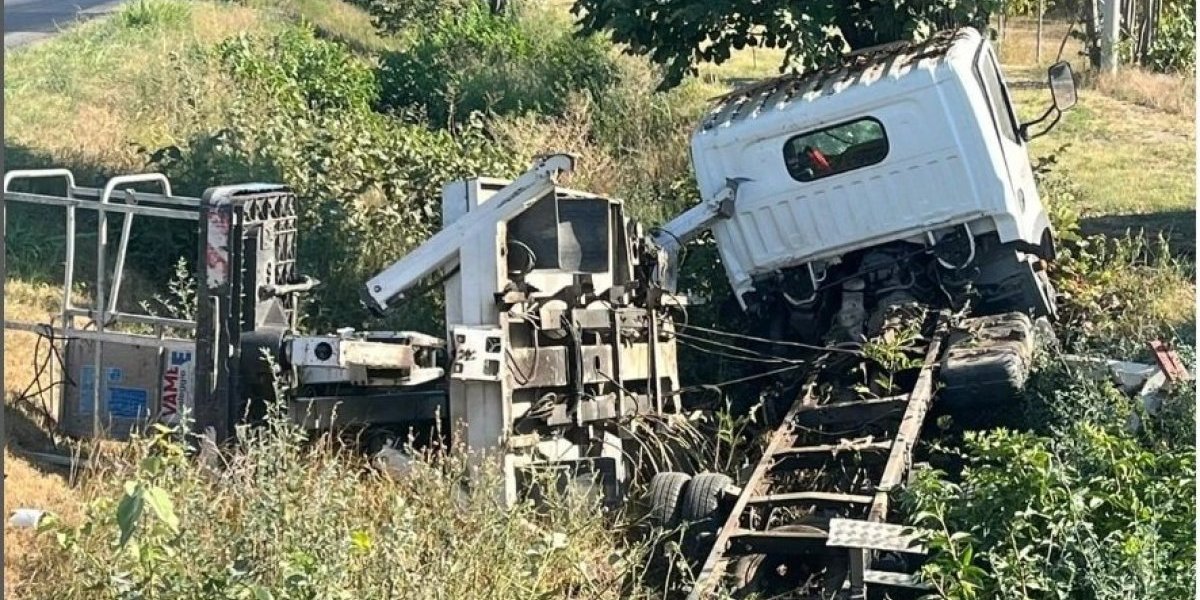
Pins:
x: 1174, y: 47
x: 1096, y: 499
x: 474, y: 60
x: 399, y: 16
x: 1103, y: 281
x: 1078, y: 507
x: 297, y: 70
x: 284, y: 518
x: 147, y: 14
x: 369, y: 184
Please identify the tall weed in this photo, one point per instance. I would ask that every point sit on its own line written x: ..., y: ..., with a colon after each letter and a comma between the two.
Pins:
x: 281, y: 517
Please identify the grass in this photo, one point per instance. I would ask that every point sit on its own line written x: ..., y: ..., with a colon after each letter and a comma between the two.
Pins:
x: 99, y: 92
x: 1175, y: 94
x: 26, y: 485
x: 336, y: 20
x: 1129, y: 159
x: 1131, y: 138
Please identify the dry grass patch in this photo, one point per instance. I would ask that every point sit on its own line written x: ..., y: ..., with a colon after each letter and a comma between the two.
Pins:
x: 1172, y: 93
x: 95, y: 94
x: 27, y: 486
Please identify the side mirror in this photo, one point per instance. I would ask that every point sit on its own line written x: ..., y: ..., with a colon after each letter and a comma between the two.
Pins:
x: 1062, y: 90
x: 1062, y: 85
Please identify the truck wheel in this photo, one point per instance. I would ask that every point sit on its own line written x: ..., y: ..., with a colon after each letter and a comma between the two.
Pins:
x: 703, y: 496
x: 699, y: 511
x: 747, y: 575
x: 774, y: 575
x: 666, y: 489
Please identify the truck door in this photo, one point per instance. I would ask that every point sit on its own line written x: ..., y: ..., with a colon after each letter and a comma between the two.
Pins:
x: 1016, y: 156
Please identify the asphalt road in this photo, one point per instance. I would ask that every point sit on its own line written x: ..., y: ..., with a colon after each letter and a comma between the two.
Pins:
x: 27, y: 21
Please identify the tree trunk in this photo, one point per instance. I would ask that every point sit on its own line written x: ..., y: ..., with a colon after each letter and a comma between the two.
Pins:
x: 1092, y: 31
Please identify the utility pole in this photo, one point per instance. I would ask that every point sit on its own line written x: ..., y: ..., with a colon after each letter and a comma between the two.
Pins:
x: 1111, y: 36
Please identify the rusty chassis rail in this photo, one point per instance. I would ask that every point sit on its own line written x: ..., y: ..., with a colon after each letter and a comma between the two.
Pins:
x: 739, y: 535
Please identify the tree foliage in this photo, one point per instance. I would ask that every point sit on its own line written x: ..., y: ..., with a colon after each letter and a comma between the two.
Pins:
x: 680, y: 34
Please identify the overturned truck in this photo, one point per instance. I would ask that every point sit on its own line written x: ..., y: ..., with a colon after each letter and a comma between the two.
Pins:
x: 891, y: 187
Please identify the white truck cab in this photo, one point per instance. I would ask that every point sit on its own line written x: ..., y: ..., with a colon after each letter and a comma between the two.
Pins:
x: 899, y: 168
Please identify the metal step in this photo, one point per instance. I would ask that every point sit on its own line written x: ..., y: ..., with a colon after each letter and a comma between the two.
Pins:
x: 821, y: 499
x: 892, y: 579
x: 870, y: 535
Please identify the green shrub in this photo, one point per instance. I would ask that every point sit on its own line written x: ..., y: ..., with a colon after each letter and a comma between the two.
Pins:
x: 1078, y: 507
x: 1103, y: 281
x: 369, y: 184
x: 400, y: 16
x: 1089, y: 513
x: 1174, y: 47
x: 154, y: 14
x: 474, y: 60
x: 297, y: 70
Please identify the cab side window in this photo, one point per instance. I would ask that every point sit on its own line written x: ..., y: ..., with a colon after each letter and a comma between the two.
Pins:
x: 997, y: 95
x: 837, y: 149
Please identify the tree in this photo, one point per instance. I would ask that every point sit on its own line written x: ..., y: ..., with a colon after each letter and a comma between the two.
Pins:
x: 680, y: 34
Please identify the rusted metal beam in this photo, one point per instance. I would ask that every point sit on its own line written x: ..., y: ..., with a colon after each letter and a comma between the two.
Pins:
x: 811, y: 457
x: 823, y: 499
x: 795, y: 540
x: 857, y: 411
x: 919, y: 401
x: 714, y: 564
x: 1169, y: 362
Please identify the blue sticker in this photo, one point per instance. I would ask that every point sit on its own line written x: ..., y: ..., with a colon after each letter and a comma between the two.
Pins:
x: 124, y: 403
x: 127, y: 403
x: 87, y: 385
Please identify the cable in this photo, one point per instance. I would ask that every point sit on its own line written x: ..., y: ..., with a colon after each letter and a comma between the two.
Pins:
x: 717, y: 386
x: 834, y: 348
x: 747, y: 355
x: 532, y: 254
x: 774, y: 361
x: 29, y: 392
x: 681, y: 307
x: 428, y: 288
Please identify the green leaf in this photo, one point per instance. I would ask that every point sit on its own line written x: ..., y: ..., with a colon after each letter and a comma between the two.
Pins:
x: 361, y: 540
x: 128, y: 511
x: 162, y: 506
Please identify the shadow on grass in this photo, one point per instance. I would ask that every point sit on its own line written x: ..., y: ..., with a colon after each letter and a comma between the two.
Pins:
x: 1178, y: 227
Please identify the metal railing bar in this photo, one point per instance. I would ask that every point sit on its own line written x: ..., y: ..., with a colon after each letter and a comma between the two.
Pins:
x: 136, y: 209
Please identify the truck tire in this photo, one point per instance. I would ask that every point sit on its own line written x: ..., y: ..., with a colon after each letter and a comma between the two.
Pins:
x: 770, y: 575
x: 703, y: 496
x: 747, y: 576
x: 666, y: 489
x: 699, y: 511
